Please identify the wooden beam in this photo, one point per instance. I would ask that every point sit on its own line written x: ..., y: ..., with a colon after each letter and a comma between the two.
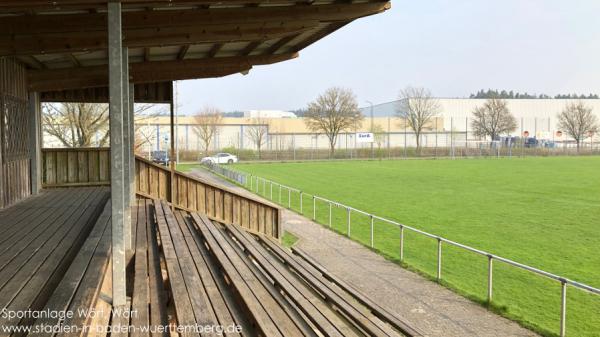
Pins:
x: 184, y: 49
x: 92, y: 22
x: 250, y: 48
x: 215, y: 49
x: 147, y: 72
x: 279, y: 44
x: 319, y: 35
x: 74, y: 60
x: 180, y: 35
x: 16, y: 6
x: 32, y: 62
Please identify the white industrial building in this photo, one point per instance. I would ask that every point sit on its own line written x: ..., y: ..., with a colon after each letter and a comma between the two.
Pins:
x: 535, y: 117
x: 269, y: 114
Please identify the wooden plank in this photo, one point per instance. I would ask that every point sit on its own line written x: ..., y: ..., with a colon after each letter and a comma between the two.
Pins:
x: 372, y: 325
x: 141, y: 296
x: 200, y: 257
x: 227, y: 208
x: 93, y: 166
x: 191, y: 195
x: 210, y: 201
x: 201, y: 303
x: 33, y: 235
x: 82, y: 165
x: 268, y: 315
x: 201, y: 198
x: 320, y: 315
x: 72, y: 167
x: 218, y: 204
x: 45, y: 268
x: 158, y: 310
x: 253, y: 219
x: 375, y: 308
x: 63, y: 295
x: 181, y: 300
x: 104, y: 165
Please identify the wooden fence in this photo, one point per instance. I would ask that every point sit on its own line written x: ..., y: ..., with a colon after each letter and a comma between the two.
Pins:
x: 75, y: 167
x: 71, y: 167
x: 218, y: 202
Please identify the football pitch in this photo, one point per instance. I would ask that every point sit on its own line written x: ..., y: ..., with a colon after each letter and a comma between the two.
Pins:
x: 543, y: 212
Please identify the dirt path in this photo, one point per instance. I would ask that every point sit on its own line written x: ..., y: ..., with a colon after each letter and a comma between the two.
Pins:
x: 425, y: 305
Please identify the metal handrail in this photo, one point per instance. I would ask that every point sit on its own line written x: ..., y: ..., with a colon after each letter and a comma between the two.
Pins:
x: 491, y: 257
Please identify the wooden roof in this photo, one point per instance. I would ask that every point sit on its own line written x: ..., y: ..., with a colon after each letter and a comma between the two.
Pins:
x: 64, y: 42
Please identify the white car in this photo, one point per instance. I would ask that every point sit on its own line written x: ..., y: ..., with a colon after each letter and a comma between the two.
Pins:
x: 220, y: 158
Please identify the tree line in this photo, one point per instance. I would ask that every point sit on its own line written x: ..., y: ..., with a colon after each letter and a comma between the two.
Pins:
x: 336, y: 110
x: 517, y: 95
x: 331, y: 113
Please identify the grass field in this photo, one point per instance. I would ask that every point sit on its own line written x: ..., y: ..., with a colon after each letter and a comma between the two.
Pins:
x: 544, y: 212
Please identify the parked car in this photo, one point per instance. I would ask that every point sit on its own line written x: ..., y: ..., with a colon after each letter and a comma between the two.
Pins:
x: 220, y: 158
x: 160, y: 157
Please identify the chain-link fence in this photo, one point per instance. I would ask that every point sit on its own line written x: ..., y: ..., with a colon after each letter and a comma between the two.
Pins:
x: 445, y: 136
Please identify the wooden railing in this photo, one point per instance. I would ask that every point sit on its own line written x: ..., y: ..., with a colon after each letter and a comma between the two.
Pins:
x: 71, y: 167
x: 219, y: 203
x: 66, y: 167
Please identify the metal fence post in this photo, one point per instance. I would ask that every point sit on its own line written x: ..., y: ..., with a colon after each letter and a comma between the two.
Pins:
x: 289, y: 198
x: 401, y: 243
x: 490, y: 278
x: 563, y: 307
x: 439, y: 260
x: 314, y: 208
x: 271, y: 187
x: 280, y: 194
x: 348, y: 210
x: 301, y: 203
x: 250, y: 182
x: 372, y: 223
x: 330, y: 214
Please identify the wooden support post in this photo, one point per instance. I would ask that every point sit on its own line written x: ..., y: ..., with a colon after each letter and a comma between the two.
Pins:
x: 35, y: 142
x: 115, y: 70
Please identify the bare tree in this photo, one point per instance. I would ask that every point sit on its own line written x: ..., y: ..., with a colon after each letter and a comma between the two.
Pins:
x: 257, y: 132
x: 207, y: 121
x: 332, y: 112
x: 84, y: 124
x: 577, y: 121
x: 77, y: 124
x: 493, y: 119
x: 417, y: 107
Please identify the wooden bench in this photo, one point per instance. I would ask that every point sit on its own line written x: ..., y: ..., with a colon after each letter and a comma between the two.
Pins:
x: 149, y: 297
x: 288, y: 272
x: 198, y: 298
x: 221, y: 274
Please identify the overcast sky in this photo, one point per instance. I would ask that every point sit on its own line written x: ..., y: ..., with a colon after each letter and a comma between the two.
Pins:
x: 453, y: 47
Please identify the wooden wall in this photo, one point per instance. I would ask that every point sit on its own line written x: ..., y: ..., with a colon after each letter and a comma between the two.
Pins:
x: 14, y: 133
x: 75, y: 167
x: 219, y: 203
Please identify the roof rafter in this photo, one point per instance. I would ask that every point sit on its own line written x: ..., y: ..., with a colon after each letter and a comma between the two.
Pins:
x: 144, y: 72
x: 149, y: 37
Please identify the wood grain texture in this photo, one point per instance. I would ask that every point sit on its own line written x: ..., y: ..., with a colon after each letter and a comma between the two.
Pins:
x: 218, y: 202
